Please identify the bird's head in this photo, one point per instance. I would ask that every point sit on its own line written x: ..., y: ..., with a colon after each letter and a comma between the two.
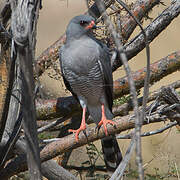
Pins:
x: 79, y: 26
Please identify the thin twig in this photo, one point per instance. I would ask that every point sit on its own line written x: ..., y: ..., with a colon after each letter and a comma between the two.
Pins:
x: 52, y: 124
x: 147, y: 78
x: 121, y: 168
x: 124, y: 59
x: 84, y: 168
x: 150, y: 133
x: 177, y: 171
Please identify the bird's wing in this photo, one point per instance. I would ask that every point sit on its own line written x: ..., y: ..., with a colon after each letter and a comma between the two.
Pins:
x: 64, y: 79
x: 105, y: 65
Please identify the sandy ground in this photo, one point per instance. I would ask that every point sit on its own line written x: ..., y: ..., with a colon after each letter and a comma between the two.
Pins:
x: 160, y: 152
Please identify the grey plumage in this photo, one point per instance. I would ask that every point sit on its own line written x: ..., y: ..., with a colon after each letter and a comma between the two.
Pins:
x: 86, y: 69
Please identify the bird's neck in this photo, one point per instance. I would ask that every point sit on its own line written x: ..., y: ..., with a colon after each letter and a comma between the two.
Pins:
x: 77, y: 36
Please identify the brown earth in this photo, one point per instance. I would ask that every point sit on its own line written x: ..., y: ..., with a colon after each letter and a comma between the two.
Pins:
x: 160, y: 152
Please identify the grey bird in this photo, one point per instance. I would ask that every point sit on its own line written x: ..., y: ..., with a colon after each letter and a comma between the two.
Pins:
x: 86, y: 70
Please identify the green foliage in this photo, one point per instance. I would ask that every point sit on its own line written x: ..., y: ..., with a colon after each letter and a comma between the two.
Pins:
x: 121, y: 100
x: 21, y: 176
x: 93, y: 154
x: 152, y: 177
x: 46, y: 135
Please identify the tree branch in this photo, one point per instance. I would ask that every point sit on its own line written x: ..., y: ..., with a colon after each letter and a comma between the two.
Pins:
x: 139, y: 9
x: 150, y: 133
x: 137, y: 44
x: 64, y: 144
x: 160, y: 113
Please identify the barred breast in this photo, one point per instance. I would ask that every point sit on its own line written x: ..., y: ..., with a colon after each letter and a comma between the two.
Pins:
x: 89, y: 85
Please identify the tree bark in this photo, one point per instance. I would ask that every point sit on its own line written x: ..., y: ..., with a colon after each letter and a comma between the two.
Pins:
x: 23, y: 25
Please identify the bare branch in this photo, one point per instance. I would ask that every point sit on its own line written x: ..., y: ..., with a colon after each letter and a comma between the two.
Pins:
x: 64, y: 144
x: 150, y: 133
x: 7, y: 76
x: 122, y: 166
x: 159, y: 69
x: 139, y: 9
x: 52, y: 171
x: 137, y: 44
x: 50, y: 125
x: 126, y: 107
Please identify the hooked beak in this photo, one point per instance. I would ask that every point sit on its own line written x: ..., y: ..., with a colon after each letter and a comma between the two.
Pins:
x: 91, y: 25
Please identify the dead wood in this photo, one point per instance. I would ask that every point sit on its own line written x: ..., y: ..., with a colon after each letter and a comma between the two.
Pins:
x: 160, y: 113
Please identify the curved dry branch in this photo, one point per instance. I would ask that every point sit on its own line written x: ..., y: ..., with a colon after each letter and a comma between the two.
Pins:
x: 150, y: 133
x: 157, y: 26
x: 139, y: 9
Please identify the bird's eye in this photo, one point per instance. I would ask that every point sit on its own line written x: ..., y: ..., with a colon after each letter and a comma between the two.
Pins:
x: 82, y: 23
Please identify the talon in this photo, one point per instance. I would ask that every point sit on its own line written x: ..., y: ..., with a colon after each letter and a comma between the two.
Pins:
x: 104, y: 121
x: 71, y: 130
x: 82, y: 127
x: 76, y: 132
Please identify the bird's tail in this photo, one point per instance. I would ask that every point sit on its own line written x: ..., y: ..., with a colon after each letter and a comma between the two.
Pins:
x: 111, y: 152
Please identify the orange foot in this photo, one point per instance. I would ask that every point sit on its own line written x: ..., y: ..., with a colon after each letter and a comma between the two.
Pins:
x: 82, y: 127
x: 104, y: 121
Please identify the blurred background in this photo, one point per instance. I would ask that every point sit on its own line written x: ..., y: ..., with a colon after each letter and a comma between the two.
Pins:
x: 161, y: 153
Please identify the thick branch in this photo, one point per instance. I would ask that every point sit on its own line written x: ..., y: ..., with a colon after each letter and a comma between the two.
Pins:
x: 152, y: 31
x: 53, y: 171
x: 159, y: 69
x: 139, y: 9
x: 64, y: 144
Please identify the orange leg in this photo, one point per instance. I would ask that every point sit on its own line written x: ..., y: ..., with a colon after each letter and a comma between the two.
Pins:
x: 104, y: 121
x: 82, y: 126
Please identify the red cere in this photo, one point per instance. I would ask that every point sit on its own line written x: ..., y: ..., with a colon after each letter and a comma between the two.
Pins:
x: 92, y: 23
